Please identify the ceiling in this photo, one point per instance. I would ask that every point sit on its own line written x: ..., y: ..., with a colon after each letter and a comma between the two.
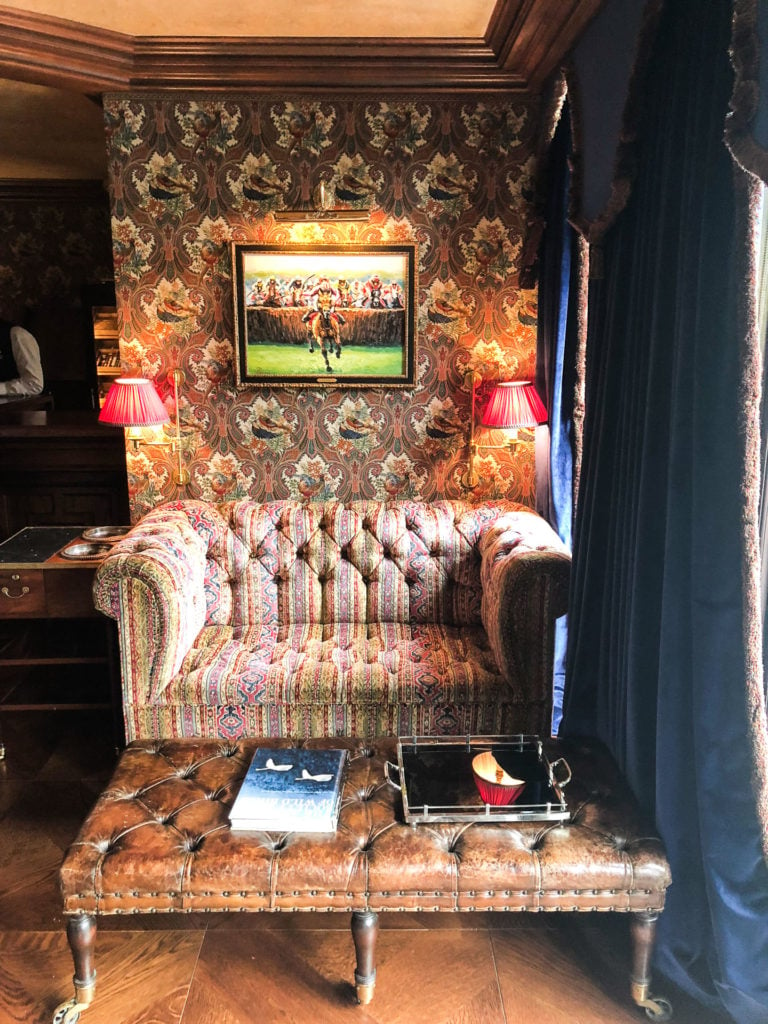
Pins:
x: 438, y: 18
x: 58, y: 56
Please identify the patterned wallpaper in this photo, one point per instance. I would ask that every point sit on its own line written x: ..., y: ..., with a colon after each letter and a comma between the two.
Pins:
x: 190, y: 175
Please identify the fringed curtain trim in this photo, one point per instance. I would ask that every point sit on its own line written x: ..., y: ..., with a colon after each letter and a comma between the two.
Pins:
x: 581, y: 255
x: 552, y: 109
x: 549, y: 116
x: 748, y: 194
x: 625, y: 159
x: 745, y: 98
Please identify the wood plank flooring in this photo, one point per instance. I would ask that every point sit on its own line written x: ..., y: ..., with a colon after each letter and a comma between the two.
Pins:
x: 272, y: 968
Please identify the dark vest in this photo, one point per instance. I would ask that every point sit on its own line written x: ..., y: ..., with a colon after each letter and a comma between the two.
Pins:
x: 8, y: 368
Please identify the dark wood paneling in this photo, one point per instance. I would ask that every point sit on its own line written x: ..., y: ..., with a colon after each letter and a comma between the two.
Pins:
x: 60, y: 468
x: 525, y: 41
x: 52, y: 190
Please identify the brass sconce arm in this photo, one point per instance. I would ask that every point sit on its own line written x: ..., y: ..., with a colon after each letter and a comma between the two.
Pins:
x: 469, y: 479
x: 181, y: 475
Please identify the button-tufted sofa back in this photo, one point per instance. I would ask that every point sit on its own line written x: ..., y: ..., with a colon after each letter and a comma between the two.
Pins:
x: 360, y: 561
x: 331, y: 618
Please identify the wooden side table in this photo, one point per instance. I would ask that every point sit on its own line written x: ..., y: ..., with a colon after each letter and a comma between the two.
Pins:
x: 62, y: 653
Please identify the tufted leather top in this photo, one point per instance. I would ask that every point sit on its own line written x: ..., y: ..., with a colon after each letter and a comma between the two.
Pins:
x: 158, y: 839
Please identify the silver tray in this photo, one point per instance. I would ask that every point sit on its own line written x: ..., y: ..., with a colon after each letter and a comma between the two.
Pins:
x: 105, y: 533
x: 436, y: 781
x: 88, y: 550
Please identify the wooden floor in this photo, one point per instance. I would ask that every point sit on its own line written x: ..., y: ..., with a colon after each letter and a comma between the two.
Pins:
x: 218, y: 969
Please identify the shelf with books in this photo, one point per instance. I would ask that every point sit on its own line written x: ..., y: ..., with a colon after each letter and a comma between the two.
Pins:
x: 106, y: 347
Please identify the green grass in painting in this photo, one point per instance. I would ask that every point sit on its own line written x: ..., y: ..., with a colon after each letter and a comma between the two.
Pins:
x: 296, y: 360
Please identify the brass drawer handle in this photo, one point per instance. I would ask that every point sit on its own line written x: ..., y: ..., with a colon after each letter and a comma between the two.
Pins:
x: 15, y: 597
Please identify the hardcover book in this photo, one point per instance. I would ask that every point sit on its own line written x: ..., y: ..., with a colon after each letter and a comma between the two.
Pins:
x: 290, y: 790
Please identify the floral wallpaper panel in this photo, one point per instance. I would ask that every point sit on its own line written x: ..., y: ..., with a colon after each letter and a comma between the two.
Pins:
x: 190, y: 175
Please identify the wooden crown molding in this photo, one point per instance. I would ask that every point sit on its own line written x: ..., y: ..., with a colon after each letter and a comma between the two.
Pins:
x: 61, y: 53
x: 344, y: 66
x: 525, y: 41
x: 536, y: 35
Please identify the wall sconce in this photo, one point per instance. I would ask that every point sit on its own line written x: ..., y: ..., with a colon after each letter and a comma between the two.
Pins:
x: 181, y: 473
x: 513, y: 405
x: 133, y: 403
x: 321, y: 210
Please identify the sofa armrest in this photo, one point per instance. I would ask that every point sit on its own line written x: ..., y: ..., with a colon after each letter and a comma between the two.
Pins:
x: 152, y: 584
x: 525, y: 575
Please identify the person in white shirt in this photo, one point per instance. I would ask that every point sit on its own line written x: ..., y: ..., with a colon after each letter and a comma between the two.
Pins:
x: 21, y: 373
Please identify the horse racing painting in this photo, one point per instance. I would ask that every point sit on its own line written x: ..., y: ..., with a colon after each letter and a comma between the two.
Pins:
x: 328, y: 316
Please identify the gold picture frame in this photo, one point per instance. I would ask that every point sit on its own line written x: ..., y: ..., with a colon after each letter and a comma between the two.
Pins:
x: 325, y: 316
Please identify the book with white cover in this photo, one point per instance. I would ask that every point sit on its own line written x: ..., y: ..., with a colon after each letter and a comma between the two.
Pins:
x: 290, y: 789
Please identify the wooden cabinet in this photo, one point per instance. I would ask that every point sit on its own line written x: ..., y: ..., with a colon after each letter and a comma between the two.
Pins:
x: 56, y: 651
x: 60, y: 468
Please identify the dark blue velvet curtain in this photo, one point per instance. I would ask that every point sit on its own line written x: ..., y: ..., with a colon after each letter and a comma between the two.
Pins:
x: 555, y: 368
x: 656, y: 661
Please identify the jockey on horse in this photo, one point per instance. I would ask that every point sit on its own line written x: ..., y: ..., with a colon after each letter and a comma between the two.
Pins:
x: 323, y: 321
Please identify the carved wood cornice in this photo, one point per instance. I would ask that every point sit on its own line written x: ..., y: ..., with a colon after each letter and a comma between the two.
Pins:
x: 321, y: 66
x: 53, y: 51
x: 525, y: 41
x: 535, y: 35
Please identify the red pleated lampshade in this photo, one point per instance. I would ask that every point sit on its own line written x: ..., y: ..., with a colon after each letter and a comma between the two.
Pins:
x: 133, y: 402
x: 512, y: 404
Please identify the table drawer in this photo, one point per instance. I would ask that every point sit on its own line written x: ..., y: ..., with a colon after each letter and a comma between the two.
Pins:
x: 69, y: 593
x: 22, y: 593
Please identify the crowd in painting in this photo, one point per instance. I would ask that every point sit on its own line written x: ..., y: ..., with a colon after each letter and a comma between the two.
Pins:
x: 281, y: 293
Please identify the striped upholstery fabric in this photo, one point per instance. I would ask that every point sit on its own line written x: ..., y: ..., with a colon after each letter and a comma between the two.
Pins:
x: 357, y: 618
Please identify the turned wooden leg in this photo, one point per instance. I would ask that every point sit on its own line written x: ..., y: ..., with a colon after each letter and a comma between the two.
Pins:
x: 81, y: 933
x: 643, y: 931
x: 365, y: 928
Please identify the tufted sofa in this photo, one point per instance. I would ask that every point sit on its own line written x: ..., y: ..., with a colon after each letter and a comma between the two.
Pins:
x: 364, y: 618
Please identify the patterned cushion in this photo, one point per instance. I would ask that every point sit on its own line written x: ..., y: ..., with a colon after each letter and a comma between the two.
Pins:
x: 355, y: 663
x: 330, y: 618
x: 364, y: 561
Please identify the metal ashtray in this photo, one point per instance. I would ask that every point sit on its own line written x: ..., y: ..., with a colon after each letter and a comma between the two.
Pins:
x: 85, y: 551
x: 105, y: 533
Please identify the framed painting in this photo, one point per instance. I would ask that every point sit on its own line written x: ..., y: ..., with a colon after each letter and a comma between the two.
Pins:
x: 324, y: 316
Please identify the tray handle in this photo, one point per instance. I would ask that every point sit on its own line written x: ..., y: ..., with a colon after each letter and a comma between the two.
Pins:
x: 390, y: 780
x: 562, y: 783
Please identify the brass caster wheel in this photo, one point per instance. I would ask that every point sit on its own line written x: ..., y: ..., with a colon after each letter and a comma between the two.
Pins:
x: 364, y: 994
x: 658, y: 1009
x: 69, y: 1012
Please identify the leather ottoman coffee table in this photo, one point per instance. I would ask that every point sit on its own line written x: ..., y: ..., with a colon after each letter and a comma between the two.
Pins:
x: 158, y: 841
